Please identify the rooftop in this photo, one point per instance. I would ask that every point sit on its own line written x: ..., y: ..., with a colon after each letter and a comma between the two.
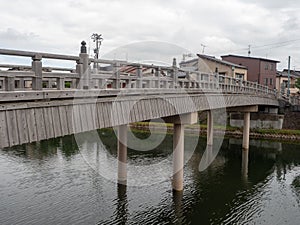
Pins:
x: 293, y: 73
x: 214, y: 59
x: 255, y: 58
x: 224, y: 62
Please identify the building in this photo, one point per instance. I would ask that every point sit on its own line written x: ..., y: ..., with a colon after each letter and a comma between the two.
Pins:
x: 210, y: 64
x: 260, y: 70
x: 282, y: 81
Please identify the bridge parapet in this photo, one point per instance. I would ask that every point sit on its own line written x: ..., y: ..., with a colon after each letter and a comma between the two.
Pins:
x: 114, y: 74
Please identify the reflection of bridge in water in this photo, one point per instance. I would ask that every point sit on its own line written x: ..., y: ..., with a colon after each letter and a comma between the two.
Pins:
x: 39, y: 103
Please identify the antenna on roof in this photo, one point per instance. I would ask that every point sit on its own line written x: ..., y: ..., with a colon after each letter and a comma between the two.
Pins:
x: 249, y: 50
x: 186, y: 55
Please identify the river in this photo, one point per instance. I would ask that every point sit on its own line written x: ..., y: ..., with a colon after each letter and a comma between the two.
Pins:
x: 59, y: 182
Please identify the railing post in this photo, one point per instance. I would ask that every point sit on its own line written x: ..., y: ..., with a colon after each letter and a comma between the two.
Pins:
x: 139, y: 75
x: 116, y: 70
x: 174, y: 74
x: 37, y: 69
x: 79, y: 70
x: 21, y: 84
x: 85, y: 74
x: 158, y: 74
x: 9, y: 83
x: 217, y: 80
x: 60, y: 83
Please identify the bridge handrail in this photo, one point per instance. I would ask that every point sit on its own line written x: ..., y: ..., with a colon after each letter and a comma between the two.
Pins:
x: 37, y: 54
x: 116, y: 76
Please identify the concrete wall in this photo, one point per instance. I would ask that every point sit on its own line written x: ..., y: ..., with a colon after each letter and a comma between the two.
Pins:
x: 292, y: 120
x: 258, y: 121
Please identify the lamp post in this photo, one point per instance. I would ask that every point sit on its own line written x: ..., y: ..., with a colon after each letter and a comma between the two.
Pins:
x: 97, y: 38
x: 289, y: 76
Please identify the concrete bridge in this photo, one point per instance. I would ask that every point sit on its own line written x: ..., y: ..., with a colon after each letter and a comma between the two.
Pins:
x: 38, y: 103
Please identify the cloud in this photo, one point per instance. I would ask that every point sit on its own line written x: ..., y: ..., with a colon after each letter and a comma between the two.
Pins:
x: 225, y: 26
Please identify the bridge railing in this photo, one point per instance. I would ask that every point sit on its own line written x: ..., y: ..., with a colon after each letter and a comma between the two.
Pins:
x: 35, y: 77
x: 295, y: 100
x: 113, y: 74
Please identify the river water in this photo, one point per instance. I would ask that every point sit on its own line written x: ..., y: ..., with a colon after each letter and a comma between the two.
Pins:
x: 60, y: 182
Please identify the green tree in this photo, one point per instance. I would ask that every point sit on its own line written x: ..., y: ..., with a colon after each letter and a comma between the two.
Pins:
x: 297, y: 84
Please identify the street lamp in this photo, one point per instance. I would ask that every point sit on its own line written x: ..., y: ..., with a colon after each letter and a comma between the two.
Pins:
x: 97, y: 38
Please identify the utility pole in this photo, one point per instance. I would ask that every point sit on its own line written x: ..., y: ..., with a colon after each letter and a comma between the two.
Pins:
x: 203, y: 48
x: 97, y: 39
x: 289, y: 76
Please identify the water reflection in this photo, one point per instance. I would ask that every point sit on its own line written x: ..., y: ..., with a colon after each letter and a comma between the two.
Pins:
x: 178, y: 206
x: 50, y: 181
x: 245, y: 160
x: 122, y: 204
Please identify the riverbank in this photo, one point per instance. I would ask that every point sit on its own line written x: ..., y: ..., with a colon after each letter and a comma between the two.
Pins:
x: 288, y: 135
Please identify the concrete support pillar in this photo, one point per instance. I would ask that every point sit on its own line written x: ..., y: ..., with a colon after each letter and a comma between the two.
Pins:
x: 122, y: 154
x: 178, y: 157
x: 246, y: 130
x: 210, y: 128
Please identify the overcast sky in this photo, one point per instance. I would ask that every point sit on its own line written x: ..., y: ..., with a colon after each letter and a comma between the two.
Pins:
x: 271, y: 27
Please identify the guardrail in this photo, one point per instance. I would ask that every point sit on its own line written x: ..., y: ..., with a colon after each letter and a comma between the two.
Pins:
x: 113, y: 74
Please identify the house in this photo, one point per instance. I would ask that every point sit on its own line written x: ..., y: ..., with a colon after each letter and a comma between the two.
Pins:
x: 260, y: 70
x: 210, y: 64
x: 282, y: 81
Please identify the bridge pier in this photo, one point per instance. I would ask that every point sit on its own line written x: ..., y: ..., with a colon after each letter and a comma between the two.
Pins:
x: 122, y: 154
x: 178, y: 157
x: 210, y: 128
x: 178, y: 145
x: 246, y: 130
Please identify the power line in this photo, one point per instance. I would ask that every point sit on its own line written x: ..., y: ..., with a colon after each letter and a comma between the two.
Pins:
x: 264, y: 47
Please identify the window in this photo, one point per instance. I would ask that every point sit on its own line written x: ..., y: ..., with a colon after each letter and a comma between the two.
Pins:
x: 267, y: 66
x: 272, y: 66
x: 239, y: 76
x: 271, y: 81
x: 221, y: 79
x: 204, y: 77
x: 265, y: 81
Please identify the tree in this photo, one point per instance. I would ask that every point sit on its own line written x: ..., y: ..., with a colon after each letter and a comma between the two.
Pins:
x: 297, y: 84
